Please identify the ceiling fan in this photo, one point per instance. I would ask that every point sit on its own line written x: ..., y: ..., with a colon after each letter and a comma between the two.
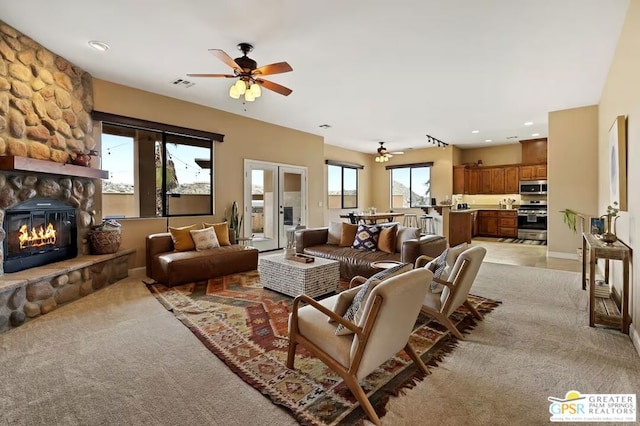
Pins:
x: 249, y: 75
x: 384, y: 154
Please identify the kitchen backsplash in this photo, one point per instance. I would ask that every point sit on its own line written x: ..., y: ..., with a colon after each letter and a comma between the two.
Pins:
x: 486, y: 199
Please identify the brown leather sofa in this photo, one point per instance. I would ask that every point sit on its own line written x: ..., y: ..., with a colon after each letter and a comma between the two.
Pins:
x: 354, y: 262
x: 174, y: 268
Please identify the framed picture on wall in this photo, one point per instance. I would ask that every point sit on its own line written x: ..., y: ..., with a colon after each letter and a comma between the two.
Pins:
x: 618, y: 163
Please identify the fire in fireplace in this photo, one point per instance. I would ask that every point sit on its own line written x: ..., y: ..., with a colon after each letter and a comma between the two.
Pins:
x: 39, y: 231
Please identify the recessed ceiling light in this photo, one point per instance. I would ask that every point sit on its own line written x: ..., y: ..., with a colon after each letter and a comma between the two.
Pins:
x: 99, y: 45
x: 529, y: 123
x: 475, y: 131
x: 488, y: 140
x: 535, y: 134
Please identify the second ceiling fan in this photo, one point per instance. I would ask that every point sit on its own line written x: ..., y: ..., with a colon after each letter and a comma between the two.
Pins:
x: 248, y: 73
x: 384, y: 154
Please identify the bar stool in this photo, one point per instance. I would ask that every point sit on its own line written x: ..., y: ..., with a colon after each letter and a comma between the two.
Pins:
x: 410, y: 220
x: 427, y: 224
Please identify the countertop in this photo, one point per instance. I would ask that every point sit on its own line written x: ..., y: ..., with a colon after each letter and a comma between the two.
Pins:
x: 475, y: 209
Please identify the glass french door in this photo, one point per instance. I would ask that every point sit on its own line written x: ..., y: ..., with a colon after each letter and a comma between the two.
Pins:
x: 275, y: 202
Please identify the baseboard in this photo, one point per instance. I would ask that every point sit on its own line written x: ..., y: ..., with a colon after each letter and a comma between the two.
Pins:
x: 140, y: 272
x: 562, y: 255
x: 635, y: 337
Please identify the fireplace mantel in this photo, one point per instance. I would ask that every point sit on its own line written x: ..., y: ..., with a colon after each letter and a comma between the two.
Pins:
x: 25, y: 164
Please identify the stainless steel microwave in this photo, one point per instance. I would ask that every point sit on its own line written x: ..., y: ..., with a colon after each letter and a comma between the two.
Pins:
x: 533, y: 187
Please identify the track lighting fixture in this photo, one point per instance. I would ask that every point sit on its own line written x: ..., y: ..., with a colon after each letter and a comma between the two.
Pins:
x: 437, y: 142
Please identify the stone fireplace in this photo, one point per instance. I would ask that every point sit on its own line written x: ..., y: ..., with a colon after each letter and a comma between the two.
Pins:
x: 45, y: 122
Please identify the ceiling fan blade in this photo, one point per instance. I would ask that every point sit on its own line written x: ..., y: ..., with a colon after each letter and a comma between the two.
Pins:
x: 397, y: 152
x: 274, y: 87
x: 277, y: 68
x: 221, y: 54
x: 213, y: 75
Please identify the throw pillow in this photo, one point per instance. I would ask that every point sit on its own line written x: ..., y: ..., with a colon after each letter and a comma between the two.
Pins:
x: 440, y: 267
x: 354, y: 313
x: 222, y: 232
x: 348, y: 234
x: 204, y: 239
x: 387, y: 240
x: 181, y: 237
x: 367, y: 237
x: 405, y: 234
x: 454, y: 252
x: 335, y: 233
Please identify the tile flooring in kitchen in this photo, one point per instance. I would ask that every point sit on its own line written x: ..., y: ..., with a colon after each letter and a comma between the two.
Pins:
x: 524, y: 254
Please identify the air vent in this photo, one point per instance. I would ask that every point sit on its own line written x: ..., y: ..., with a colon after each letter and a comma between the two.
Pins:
x: 182, y: 83
x: 512, y: 137
x: 325, y: 126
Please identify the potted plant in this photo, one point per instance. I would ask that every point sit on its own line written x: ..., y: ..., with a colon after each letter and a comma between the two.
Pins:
x: 235, y: 220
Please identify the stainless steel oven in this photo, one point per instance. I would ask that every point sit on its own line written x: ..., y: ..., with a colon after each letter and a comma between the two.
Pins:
x: 532, y: 220
x: 535, y: 187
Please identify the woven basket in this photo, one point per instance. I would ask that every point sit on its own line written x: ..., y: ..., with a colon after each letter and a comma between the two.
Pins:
x: 104, y: 242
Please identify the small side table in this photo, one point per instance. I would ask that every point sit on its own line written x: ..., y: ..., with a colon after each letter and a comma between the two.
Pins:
x: 245, y: 241
x: 596, y: 249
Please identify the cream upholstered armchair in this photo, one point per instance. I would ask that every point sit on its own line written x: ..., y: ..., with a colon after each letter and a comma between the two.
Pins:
x: 456, y: 289
x: 388, y: 317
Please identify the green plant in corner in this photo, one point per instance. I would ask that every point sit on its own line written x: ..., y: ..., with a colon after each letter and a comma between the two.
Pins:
x: 235, y: 220
x: 569, y: 217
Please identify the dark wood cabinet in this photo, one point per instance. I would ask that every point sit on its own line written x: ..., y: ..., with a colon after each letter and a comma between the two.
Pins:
x: 508, y: 224
x: 534, y: 151
x: 511, y: 180
x: 474, y: 224
x: 460, y: 227
x: 497, y: 181
x: 474, y: 181
x: 488, y: 223
x: 460, y: 176
x: 486, y: 181
x: 533, y: 172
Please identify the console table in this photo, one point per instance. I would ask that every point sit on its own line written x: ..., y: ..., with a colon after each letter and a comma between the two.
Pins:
x: 593, y: 248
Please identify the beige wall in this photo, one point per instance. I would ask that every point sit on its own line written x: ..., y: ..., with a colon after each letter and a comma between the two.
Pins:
x: 332, y: 152
x: 493, y: 155
x: 244, y: 138
x: 441, y: 175
x: 572, y: 172
x: 621, y: 96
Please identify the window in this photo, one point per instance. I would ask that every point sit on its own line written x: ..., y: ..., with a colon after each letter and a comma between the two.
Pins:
x: 155, y: 173
x: 342, y: 185
x: 410, y: 185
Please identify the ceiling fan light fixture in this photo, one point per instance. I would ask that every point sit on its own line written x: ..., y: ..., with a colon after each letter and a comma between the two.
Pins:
x: 255, y: 89
x: 248, y: 96
x: 241, y: 86
x: 233, y: 92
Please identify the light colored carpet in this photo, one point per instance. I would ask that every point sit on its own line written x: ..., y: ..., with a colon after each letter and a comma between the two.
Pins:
x: 123, y: 359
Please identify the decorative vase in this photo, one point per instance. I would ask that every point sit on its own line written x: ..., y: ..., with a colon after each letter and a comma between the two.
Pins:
x: 289, y: 253
x: 609, y: 235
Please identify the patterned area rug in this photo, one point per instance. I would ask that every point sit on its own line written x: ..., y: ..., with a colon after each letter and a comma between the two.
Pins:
x: 521, y: 241
x: 246, y: 327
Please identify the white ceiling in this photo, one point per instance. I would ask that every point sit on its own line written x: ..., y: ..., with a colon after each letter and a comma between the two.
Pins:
x: 375, y: 70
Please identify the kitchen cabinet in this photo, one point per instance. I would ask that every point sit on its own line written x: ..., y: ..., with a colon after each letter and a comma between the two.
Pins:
x: 533, y: 172
x: 460, y: 227
x: 508, y: 223
x: 534, y: 151
x: 488, y: 223
x: 497, y: 180
x: 466, y: 180
x: 511, y: 180
x: 486, y: 181
x: 460, y: 174
x: 474, y: 224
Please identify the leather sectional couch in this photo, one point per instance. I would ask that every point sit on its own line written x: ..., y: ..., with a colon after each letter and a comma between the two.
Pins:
x: 171, y: 268
x: 354, y: 261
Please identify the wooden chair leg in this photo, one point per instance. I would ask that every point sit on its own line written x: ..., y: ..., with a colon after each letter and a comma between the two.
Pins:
x: 473, y: 310
x: 414, y: 356
x: 358, y: 392
x: 292, y: 352
x: 452, y: 327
